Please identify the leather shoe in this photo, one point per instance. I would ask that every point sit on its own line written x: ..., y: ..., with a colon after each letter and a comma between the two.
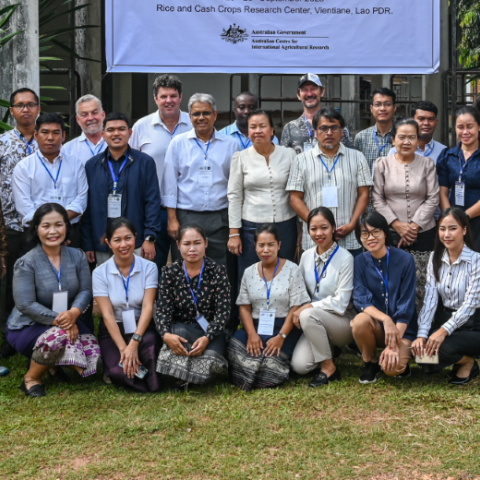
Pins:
x: 60, y: 376
x: 37, y: 390
x: 322, y: 379
x: 462, y: 381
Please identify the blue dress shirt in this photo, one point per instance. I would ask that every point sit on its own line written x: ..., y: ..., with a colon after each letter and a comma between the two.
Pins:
x: 242, y: 141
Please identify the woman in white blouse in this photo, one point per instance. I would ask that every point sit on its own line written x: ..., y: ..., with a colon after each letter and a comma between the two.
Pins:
x: 271, y: 290
x: 257, y: 195
x: 124, y: 288
x: 451, y: 328
x: 328, y: 272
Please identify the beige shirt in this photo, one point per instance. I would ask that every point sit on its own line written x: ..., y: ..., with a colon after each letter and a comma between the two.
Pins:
x: 408, y: 193
x: 256, y: 191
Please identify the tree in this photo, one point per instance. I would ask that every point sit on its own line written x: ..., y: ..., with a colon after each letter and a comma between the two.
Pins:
x: 469, y: 19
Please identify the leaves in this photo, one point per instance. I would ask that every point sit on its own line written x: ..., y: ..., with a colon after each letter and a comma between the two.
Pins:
x: 469, y: 19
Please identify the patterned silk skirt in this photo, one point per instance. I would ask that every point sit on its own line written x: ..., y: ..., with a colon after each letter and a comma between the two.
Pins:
x: 198, y: 370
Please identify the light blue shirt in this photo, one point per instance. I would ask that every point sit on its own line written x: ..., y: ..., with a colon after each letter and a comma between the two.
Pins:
x: 180, y: 184
x: 83, y: 149
x: 151, y: 136
x: 432, y: 150
x: 243, y: 141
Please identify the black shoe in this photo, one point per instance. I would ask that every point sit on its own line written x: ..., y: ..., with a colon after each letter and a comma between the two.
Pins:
x: 462, y: 381
x: 6, y: 350
x: 34, y: 391
x: 406, y: 373
x: 353, y: 347
x: 371, y: 372
x: 60, y: 376
x: 322, y: 379
x: 337, y: 351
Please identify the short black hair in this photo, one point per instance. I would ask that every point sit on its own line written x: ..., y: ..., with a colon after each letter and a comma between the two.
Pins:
x: 116, y: 116
x: 247, y: 94
x: 267, y: 228
x: 45, y: 209
x: 328, y: 112
x: 167, y: 81
x: 384, y: 91
x: 116, y: 223
x: 426, y: 106
x: 260, y: 111
x: 468, y: 110
x: 404, y: 121
x: 47, y: 118
x: 375, y: 220
x: 23, y: 90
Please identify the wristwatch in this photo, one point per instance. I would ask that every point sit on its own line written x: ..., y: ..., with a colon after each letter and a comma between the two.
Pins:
x: 150, y: 238
x: 138, y: 338
x: 282, y: 335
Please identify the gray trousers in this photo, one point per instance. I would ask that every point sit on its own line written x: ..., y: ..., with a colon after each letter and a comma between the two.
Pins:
x: 321, y: 330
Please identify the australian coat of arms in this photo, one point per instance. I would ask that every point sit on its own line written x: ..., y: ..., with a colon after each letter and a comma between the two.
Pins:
x: 234, y: 34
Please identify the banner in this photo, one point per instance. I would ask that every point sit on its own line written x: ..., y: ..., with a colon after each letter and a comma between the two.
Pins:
x: 273, y: 36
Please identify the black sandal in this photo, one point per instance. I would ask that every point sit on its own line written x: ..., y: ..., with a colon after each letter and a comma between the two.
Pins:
x: 37, y: 390
x: 455, y: 380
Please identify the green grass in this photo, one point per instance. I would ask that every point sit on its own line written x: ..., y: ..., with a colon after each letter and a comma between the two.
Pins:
x: 418, y: 428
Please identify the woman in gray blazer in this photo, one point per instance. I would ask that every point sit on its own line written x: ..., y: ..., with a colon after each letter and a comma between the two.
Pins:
x: 52, y: 286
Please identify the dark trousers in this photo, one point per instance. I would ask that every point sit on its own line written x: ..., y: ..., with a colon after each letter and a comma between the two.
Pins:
x: 425, y: 242
x: 459, y: 344
x: 162, y: 245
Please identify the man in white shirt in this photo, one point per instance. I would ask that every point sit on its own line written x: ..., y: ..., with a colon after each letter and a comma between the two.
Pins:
x: 90, y: 116
x: 152, y: 135
x: 50, y: 175
x: 195, y: 178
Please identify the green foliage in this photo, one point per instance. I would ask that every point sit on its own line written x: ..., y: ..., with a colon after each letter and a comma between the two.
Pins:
x: 469, y: 19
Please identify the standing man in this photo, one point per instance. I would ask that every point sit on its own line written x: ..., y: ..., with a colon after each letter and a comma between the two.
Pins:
x: 152, y: 135
x: 50, y: 175
x: 333, y: 176
x: 243, y: 106
x: 90, y: 116
x: 122, y: 183
x: 195, y: 178
x: 299, y: 134
x: 376, y: 141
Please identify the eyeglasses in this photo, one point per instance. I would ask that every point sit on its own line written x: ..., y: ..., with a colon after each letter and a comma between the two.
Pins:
x: 333, y: 129
x: 384, y: 104
x: 199, y: 114
x: 22, y: 106
x: 366, y: 233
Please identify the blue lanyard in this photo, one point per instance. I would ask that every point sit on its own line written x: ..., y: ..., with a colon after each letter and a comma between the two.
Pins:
x: 126, y: 284
x: 28, y: 144
x: 115, y: 178
x: 55, y: 180
x: 195, y: 297
x: 94, y: 151
x: 462, y: 169
x: 249, y: 142
x: 430, y: 152
x: 269, y: 289
x: 331, y: 170
x: 387, y: 142
x: 317, y: 277
x: 57, y: 274
x: 201, y: 148
x: 385, y: 279
x: 310, y: 132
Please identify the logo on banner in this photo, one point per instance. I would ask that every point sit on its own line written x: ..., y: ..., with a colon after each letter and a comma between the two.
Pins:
x: 234, y: 34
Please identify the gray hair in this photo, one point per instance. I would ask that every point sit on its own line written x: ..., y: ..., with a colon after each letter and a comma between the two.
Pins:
x: 201, y: 98
x: 85, y: 99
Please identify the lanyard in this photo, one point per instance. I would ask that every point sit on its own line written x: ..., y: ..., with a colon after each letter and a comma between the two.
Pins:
x: 95, y: 151
x: 55, y: 180
x: 317, y: 277
x: 201, y: 148
x: 425, y: 154
x: 462, y: 169
x: 310, y: 132
x: 387, y: 142
x: 269, y: 289
x: 115, y: 177
x: 195, y: 297
x: 126, y: 284
x: 57, y: 274
x: 28, y: 144
x: 385, y: 279
x: 249, y: 142
x: 331, y: 170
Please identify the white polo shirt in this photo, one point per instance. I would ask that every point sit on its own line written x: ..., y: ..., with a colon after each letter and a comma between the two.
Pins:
x: 107, y: 282
x: 151, y: 136
x: 83, y: 149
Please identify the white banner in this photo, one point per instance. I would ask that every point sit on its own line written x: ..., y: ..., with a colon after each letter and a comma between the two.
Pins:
x: 273, y: 36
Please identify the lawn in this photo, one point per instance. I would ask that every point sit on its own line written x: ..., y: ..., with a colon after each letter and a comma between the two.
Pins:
x: 418, y: 428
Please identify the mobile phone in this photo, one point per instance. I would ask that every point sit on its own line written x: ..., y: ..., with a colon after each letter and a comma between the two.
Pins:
x: 430, y: 359
x: 143, y: 371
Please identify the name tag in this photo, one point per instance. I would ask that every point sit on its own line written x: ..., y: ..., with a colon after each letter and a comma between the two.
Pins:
x: 307, y: 146
x: 114, y: 206
x: 205, y: 176
x: 330, y: 196
x: 202, y: 322
x: 56, y: 197
x: 129, y: 322
x: 460, y: 194
x: 266, y: 322
x: 60, y: 301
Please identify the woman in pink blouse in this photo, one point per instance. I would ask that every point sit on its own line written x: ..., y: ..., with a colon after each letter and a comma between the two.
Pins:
x: 406, y: 190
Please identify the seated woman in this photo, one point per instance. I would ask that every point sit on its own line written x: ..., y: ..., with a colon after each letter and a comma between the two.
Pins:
x: 124, y: 288
x: 384, y: 292
x: 193, y: 306
x: 451, y: 328
x: 52, y: 286
x: 328, y: 273
x: 271, y: 290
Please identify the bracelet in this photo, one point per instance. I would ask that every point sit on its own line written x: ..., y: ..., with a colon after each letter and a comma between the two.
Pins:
x: 234, y: 235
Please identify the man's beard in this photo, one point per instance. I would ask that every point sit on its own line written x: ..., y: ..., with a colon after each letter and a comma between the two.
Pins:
x: 93, y: 128
x: 328, y: 146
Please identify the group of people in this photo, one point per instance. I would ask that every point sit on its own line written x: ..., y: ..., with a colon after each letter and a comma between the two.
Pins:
x: 97, y: 217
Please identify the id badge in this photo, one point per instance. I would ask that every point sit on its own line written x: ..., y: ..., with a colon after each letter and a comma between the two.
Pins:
x: 114, y: 206
x: 460, y: 194
x: 266, y: 322
x: 205, y: 176
x: 129, y: 322
x: 307, y: 146
x: 330, y: 196
x: 60, y: 301
x: 202, y: 322
x: 56, y: 197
